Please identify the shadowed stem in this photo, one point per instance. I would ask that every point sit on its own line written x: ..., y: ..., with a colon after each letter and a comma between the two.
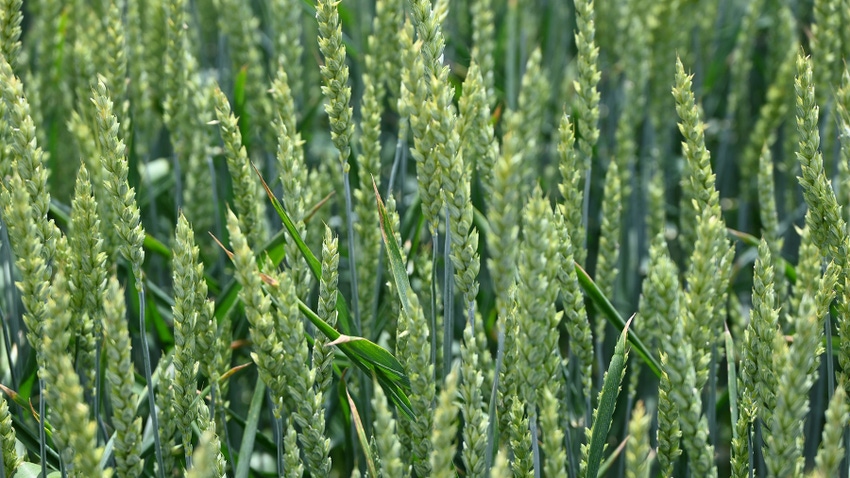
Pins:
x: 277, y: 431
x: 711, y: 403
x: 435, y: 236
x: 352, y: 261
x: 147, y: 360
x: 101, y: 427
x: 399, y: 157
x: 535, y: 445
x: 491, y: 427
x: 42, y: 438
x: 830, y: 374
x: 448, y: 300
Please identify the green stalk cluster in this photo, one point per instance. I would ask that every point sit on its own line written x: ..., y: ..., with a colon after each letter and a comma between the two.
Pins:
x: 152, y: 35
x: 413, y: 106
x: 809, y: 267
x: 826, y: 45
x: 445, y: 429
x: 523, y: 126
x: 438, y: 153
x: 335, y: 74
x: 114, y: 51
x: 208, y: 460
x: 121, y: 197
x: 578, y: 327
x: 555, y: 464
x: 711, y: 254
x: 827, y: 226
x: 268, y: 349
x: 386, y: 438
x: 637, y: 448
x: 73, y: 431
x: 10, y: 30
x: 279, y: 343
x: 538, y: 357
x: 740, y: 446
x: 293, y: 175
x: 413, y: 347
x: 770, y: 220
x: 185, y: 113
x: 842, y: 96
x: 477, y: 138
x: 660, y: 309
x: 369, y: 165
x: 127, y: 439
x: 302, y: 398
x: 607, y: 262
x: 484, y: 44
x: 237, y: 21
x: 570, y: 187
x: 683, y: 392
x: 475, y: 417
x: 188, y: 277
x: 248, y: 197
x: 586, y: 86
x: 30, y: 252
x: 293, y: 466
x: 143, y: 46
x: 11, y: 460
x: 831, y: 450
x: 25, y: 201
x: 27, y: 159
x: 384, y: 45
x: 504, y: 210
x: 698, y: 190
x: 784, y: 442
x: 758, y: 378
x: 285, y: 20
x: 328, y: 290
x: 520, y: 438
x: 87, y: 275
x: 741, y: 66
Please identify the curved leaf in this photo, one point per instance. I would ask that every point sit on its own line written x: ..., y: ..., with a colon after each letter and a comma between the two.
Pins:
x: 607, y: 403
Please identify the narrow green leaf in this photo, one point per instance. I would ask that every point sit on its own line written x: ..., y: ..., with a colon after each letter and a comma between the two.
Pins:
x: 361, y: 436
x: 229, y: 297
x: 366, y: 355
x: 358, y: 347
x: 371, y: 358
x: 156, y: 246
x: 606, y: 465
x: 604, y: 305
x: 397, y: 265
x: 246, y: 449
x: 343, y: 314
x: 750, y: 240
x: 607, y: 402
x: 240, y: 106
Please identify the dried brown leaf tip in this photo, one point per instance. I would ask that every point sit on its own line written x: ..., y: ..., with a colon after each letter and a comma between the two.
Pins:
x: 229, y: 254
x: 344, y: 339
